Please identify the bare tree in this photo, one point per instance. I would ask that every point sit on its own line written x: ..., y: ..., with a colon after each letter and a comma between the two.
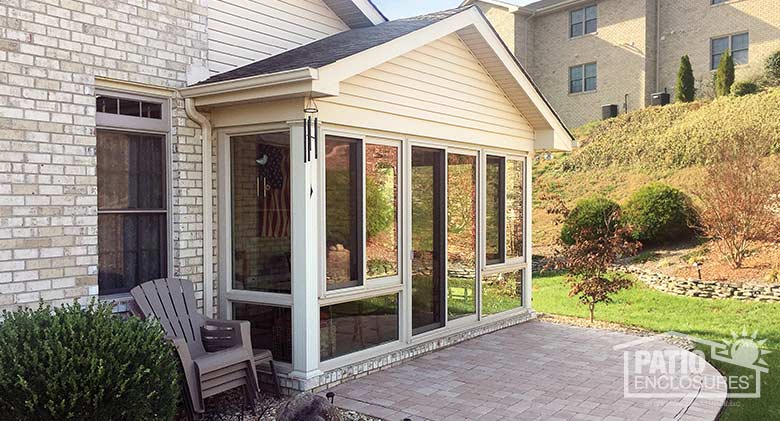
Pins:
x: 739, y: 197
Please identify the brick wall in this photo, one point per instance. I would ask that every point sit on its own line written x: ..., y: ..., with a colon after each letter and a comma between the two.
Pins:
x: 688, y: 26
x: 50, y: 55
x: 619, y: 49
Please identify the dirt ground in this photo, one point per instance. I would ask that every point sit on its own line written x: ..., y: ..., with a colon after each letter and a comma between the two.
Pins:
x: 762, y: 266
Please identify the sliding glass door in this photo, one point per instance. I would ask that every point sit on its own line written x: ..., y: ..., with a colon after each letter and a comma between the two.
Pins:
x: 428, y: 239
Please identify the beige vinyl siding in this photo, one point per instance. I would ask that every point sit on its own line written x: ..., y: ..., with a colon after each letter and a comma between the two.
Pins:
x: 442, y: 83
x: 243, y: 31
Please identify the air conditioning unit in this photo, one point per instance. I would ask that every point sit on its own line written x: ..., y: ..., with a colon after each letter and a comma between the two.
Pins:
x: 660, y: 98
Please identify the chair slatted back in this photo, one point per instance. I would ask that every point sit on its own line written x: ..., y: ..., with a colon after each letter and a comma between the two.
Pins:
x: 172, y: 302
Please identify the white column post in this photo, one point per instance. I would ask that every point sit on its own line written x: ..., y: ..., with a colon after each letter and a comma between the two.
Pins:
x: 304, y: 199
x: 527, y: 273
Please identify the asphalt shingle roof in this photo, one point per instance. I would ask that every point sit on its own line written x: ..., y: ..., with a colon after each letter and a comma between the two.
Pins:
x: 334, y: 48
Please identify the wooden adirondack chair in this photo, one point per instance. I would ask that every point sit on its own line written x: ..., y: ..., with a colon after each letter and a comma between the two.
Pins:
x: 172, y: 302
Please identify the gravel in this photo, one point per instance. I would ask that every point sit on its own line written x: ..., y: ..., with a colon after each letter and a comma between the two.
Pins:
x: 229, y: 406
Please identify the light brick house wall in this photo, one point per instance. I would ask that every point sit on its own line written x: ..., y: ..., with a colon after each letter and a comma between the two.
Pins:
x: 50, y: 56
x: 688, y: 26
x: 618, y: 47
x: 638, y: 46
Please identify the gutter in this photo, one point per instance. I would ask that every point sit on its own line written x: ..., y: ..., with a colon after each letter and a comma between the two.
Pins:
x: 208, y: 212
x: 214, y: 88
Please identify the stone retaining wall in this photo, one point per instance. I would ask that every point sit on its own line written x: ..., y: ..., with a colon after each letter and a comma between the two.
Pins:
x: 705, y: 289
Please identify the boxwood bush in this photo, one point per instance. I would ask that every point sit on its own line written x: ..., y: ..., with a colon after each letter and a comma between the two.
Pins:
x: 659, y: 214
x: 593, y: 217
x: 74, y: 363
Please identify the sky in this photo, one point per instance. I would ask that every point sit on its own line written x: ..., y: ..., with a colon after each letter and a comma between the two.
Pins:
x: 395, y: 9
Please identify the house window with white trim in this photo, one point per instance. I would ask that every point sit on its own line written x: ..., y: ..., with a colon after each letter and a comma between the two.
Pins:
x: 583, y: 78
x: 132, y: 196
x: 583, y: 21
x: 504, y: 209
x: 738, y: 44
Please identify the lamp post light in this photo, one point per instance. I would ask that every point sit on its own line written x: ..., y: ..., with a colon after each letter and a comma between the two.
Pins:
x: 698, y: 266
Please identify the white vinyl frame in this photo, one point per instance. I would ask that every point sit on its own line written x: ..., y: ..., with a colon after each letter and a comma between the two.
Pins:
x: 227, y: 294
x: 129, y: 124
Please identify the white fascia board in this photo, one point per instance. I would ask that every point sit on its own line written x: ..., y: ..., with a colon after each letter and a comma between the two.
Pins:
x: 510, y: 7
x: 370, y: 11
x: 252, y: 82
x: 361, y: 62
x: 368, y: 59
x: 562, y: 140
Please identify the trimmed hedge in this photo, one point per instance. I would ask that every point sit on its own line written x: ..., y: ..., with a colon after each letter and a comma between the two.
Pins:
x: 590, y: 217
x: 74, y: 363
x: 659, y: 214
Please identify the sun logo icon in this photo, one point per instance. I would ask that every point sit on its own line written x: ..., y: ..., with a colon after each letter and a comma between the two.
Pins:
x: 745, y: 350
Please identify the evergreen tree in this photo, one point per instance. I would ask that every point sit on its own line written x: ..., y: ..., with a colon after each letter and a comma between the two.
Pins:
x: 724, y: 77
x: 685, y: 90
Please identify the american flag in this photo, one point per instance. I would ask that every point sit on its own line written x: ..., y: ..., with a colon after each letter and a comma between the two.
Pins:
x: 274, y: 199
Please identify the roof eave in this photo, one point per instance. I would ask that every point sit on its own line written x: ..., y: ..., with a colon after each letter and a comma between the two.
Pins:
x: 298, y: 82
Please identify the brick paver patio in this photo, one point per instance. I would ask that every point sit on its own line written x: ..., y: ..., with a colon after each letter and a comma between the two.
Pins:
x: 536, y: 370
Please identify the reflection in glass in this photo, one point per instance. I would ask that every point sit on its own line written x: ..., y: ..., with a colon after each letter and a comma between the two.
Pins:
x: 461, y: 235
x: 494, y: 210
x: 271, y: 328
x: 130, y: 171
x: 381, y: 210
x: 502, y: 292
x: 349, y: 327
x: 260, y: 179
x: 343, y: 205
x: 514, y: 208
x: 428, y: 230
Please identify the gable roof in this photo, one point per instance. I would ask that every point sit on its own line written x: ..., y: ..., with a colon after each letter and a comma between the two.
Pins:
x: 317, y: 69
x: 333, y: 48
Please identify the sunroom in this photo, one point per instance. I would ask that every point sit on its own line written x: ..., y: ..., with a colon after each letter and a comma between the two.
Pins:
x: 373, y: 192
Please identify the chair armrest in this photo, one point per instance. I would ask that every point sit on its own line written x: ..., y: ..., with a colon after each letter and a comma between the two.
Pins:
x: 221, y: 334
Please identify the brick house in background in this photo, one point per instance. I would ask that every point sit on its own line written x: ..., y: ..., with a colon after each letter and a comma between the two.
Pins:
x: 587, y: 53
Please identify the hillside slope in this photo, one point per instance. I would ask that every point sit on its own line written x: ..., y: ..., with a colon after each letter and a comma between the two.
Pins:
x: 668, y: 144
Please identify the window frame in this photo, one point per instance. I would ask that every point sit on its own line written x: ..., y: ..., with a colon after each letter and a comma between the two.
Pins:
x: 730, y: 48
x: 370, y: 287
x: 583, y: 69
x: 509, y: 263
x: 583, y: 22
x: 142, y: 126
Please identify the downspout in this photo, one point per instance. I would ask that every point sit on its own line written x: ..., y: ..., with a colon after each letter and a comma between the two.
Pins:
x: 658, y: 45
x: 206, y: 170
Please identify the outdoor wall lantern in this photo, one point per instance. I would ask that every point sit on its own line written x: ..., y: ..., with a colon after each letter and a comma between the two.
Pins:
x: 310, y: 131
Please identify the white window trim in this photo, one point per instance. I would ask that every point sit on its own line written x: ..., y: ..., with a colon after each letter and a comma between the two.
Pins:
x: 583, y: 21
x: 584, y: 78
x: 140, y: 125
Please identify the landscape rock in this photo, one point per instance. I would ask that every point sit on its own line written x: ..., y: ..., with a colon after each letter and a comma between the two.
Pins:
x: 309, y: 407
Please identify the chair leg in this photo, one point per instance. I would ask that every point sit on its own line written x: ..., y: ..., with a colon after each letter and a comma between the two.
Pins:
x: 276, y: 379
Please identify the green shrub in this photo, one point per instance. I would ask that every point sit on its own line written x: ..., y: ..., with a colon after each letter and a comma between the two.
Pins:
x: 659, y: 214
x: 593, y: 217
x: 71, y: 363
x: 724, y: 77
x: 773, y: 67
x: 685, y: 90
x: 744, y: 88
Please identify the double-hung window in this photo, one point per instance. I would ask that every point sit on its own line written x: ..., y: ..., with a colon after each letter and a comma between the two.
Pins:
x: 738, y: 44
x: 133, y: 208
x: 583, y: 21
x: 583, y: 78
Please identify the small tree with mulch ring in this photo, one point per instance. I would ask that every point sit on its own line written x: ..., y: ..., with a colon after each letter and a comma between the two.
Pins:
x: 589, y: 259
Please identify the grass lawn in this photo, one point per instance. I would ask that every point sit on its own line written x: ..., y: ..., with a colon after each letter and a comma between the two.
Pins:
x: 646, y: 308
